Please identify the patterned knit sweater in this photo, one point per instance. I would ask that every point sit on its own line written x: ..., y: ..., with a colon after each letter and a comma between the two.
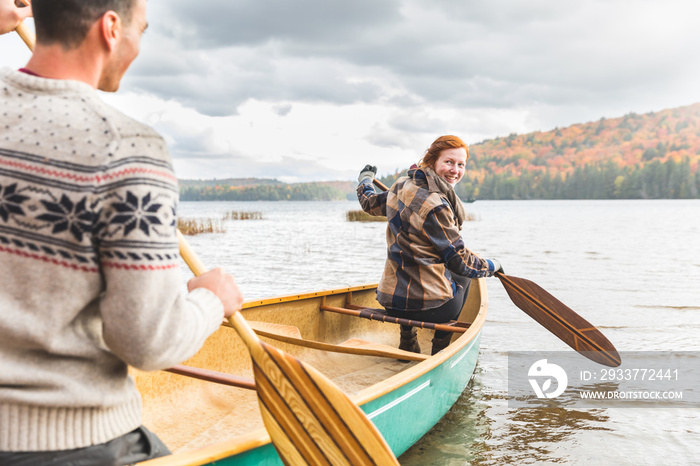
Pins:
x: 89, y: 268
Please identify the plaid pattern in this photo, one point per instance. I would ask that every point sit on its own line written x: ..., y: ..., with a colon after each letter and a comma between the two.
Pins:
x: 424, y: 244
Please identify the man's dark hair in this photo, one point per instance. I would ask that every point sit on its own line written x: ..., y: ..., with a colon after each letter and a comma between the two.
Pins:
x: 67, y: 22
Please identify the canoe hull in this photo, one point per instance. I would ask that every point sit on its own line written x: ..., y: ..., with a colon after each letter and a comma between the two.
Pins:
x: 419, y: 405
x: 403, y: 406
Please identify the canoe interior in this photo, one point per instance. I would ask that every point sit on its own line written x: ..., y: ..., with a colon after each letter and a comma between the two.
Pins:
x: 189, y: 414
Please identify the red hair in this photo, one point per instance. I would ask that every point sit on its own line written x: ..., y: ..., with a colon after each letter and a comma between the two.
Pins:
x: 439, y: 145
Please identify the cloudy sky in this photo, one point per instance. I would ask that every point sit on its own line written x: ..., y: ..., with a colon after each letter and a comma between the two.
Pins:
x: 304, y: 90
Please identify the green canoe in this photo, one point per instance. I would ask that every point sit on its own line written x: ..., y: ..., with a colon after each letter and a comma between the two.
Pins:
x: 205, y: 422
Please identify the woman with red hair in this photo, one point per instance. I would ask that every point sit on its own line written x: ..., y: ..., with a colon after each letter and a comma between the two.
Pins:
x: 428, y: 268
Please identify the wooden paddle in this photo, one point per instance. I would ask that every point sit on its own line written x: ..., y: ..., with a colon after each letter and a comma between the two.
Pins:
x: 556, y: 317
x: 309, y: 419
x: 561, y: 320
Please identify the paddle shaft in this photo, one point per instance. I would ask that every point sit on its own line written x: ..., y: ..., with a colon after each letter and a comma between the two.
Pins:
x: 26, y: 35
x: 379, y: 184
x: 197, y: 267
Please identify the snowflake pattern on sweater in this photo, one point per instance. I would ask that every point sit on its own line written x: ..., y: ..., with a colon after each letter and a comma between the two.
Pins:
x: 61, y: 202
x: 65, y: 223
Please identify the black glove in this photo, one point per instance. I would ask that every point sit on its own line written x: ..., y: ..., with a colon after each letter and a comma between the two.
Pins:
x: 368, y: 172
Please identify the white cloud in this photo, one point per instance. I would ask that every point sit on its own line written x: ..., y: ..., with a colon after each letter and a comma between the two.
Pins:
x: 314, y: 90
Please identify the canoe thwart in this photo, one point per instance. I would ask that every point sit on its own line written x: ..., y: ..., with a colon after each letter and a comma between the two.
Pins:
x: 380, y: 315
x: 291, y: 335
x: 279, y: 329
x: 213, y: 376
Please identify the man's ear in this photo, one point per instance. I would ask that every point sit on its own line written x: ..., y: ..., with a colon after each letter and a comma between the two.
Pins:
x: 111, y: 28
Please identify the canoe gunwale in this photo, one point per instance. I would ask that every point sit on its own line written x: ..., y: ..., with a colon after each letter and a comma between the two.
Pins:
x: 303, y: 296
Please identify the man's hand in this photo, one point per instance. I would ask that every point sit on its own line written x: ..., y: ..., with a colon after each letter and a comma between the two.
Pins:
x: 11, y: 15
x: 368, y: 172
x: 222, y: 285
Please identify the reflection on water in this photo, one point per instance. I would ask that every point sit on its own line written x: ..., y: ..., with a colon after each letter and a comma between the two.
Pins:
x: 632, y: 268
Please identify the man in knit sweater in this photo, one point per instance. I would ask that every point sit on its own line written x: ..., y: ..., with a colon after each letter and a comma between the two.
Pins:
x: 89, y: 267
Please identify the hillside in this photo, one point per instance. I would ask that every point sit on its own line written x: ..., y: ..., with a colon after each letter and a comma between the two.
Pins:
x: 632, y: 140
x: 635, y: 156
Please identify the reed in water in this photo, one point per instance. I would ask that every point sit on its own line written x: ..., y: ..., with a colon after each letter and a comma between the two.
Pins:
x: 242, y: 215
x: 193, y: 226
x: 361, y: 216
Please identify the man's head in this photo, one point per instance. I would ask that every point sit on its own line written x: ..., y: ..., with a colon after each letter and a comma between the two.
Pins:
x: 110, y: 26
x: 67, y: 22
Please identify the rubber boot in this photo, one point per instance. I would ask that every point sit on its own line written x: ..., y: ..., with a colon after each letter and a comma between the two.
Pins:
x: 440, y: 344
x: 409, y: 341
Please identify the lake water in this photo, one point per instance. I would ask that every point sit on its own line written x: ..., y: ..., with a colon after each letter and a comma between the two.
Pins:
x: 632, y: 268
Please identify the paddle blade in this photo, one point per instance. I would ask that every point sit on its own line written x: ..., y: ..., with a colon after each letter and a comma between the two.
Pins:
x: 559, y: 319
x: 310, y: 420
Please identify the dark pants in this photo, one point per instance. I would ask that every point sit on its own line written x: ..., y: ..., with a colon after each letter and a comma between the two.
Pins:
x: 138, y: 445
x: 445, y: 313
